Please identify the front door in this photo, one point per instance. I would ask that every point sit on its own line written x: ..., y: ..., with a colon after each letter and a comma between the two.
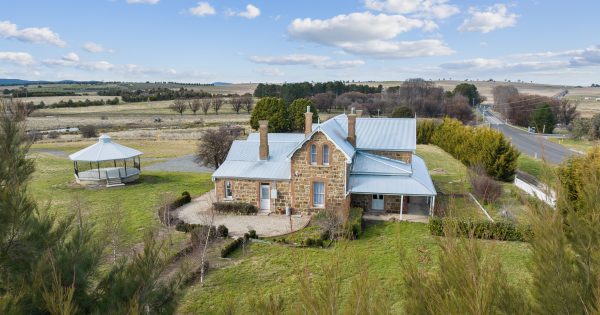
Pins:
x: 265, y: 197
x: 377, y: 202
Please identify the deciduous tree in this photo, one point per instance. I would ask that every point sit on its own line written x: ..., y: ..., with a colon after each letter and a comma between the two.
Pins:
x: 178, y: 106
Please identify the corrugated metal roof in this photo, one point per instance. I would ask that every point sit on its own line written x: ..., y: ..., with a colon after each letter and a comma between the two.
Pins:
x: 242, y: 150
x: 366, y: 163
x: 277, y: 137
x: 417, y: 184
x: 104, y: 150
x: 394, y: 134
x: 268, y: 170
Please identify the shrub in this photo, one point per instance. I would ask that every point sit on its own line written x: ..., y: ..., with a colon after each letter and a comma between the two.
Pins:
x: 235, y: 208
x: 199, y: 233
x: 353, y: 226
x: 252, y: 234
x: 484, y: 187
x: 403, y: 112
x: 231, y: 247
x: 185, y: 227
x: 222, y: 231
x: 425, y: 130
x: 89, y: 131
x: 499, y: 231
x: 185, y: 198
x: 309, y: 242
x: 53, y: 135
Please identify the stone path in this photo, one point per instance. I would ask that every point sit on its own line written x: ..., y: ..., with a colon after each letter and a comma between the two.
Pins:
x: 264, y: 225
x: 184, y: 163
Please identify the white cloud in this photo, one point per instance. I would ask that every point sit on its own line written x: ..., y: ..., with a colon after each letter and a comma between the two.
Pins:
x: 360, y: 26
x: 493, y: 18
x: 437, y: 9
x: 202, y: 9
x: 18, y: 58
x: 95, y: 48
x: 364, y: 33
x: 270, y: 72
x: 30, y: 34
x: 251, y: 12
x: 315, y: 61
x: 143, y: 1
x: 69, y: 60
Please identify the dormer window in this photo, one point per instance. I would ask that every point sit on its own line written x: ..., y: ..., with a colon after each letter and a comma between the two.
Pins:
x: 313, y: 154
x: 325, y: 154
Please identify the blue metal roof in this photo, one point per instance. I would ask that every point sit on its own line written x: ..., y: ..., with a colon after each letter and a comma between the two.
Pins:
x: 366, y: 163
x: 390, y: 134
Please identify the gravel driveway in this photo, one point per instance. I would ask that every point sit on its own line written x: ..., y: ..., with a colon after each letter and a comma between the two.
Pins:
x: 264, y: 225
x: 184, y: 163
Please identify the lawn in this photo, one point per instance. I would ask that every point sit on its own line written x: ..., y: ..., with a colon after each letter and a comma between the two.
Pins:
x: 536, y: 167
x: 53, y: 183
x: 384, y: 247
x: 576, y: 144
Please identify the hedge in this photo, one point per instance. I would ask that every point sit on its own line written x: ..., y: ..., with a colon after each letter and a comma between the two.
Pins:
x: 185, y: 198
x: 231, y: 247
x: 235, y: 208
x: 499, y: 231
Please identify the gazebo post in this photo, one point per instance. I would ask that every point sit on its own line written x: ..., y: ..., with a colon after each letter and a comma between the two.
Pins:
x: 98, y: 164
x: 401, y: 206
x: 125, y: 161
x: 139, y: 163
x: 115, y: 163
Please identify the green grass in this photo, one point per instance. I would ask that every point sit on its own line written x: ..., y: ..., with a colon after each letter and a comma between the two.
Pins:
x: 383, y: 248
x: 449, y: 174
x: 576, y: 144
x: 537, y: 168
x: 53, y: 184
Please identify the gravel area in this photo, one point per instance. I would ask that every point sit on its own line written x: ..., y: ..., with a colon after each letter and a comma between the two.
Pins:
x: 181, y: 164
x: 264, y: 225
x: 57, y: 153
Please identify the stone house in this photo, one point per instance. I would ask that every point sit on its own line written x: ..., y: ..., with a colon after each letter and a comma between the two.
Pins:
x: 346, y: 160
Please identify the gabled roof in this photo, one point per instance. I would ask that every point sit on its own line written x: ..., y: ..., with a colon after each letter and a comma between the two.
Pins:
x: 389, y: 134
x: 104, y: 150
x: 370, y: 164
x: 343, y: 145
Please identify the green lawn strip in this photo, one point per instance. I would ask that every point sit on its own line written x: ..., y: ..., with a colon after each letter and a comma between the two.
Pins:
x: 274, y: 269
x: 543, y: 172
x: 53, y: 182
x: 150, y: 148
x: 576, y: 144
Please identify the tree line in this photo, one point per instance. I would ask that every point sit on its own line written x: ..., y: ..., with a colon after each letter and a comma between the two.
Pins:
x: 530, y: 110
x: 160, y: 94
x: 213, y: 103
x: 291, y: 91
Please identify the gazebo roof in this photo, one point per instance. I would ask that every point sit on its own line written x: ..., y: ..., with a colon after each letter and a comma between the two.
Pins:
x: 104, y: 150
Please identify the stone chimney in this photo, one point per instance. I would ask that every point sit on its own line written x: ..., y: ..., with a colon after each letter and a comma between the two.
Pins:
x: 307, y: 121
x: 263, y: 149
x: 352, y: 127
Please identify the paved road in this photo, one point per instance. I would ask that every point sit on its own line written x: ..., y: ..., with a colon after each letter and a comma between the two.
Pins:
x: 530, y: 144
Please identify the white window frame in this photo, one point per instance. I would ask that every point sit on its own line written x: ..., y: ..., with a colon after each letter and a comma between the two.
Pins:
x: 318, y: 194
x: 313, y: 154
x: 228, y: 190
x: 325, y: 154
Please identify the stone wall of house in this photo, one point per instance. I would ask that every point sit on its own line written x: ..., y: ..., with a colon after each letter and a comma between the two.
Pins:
x: 249, y: 191
x: 332, y: 175
x: 405, y: 156
x: 391, y: 203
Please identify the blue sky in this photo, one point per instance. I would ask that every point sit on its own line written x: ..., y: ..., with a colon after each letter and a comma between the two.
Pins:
x: 309, y: 40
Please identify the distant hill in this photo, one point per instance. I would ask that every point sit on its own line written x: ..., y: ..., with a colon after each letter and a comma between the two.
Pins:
x: 221, y: 83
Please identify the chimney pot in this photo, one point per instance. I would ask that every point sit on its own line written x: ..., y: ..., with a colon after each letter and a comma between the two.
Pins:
x: 263, y: 130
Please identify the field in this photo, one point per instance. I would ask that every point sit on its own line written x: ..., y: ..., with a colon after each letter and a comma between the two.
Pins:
x: 53, y: 185
x: 384, y: 248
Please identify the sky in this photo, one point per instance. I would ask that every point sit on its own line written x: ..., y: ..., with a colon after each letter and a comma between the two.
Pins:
x: 545, y: 41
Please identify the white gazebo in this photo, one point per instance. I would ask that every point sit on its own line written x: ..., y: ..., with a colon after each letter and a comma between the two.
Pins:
x: 105, y: 162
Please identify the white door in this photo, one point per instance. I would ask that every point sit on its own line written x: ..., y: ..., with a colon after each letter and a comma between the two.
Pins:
x: 265, y: 197
x: 377, y: 202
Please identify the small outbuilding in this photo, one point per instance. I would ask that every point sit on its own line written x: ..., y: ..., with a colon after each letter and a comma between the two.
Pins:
x: 105, y: 163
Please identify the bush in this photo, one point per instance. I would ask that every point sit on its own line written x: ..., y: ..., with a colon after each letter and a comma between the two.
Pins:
x: 199, y: 233
x: 425, y: 130
x: 403, y: 112
x: 185, y: 198
x: 53, y: 135
x: 185, y: 227
x: 222, y: 231
x: 235, y: 208
x: 252, y: 234
x: 353, y: 226
x: 89, y: 131
x: 309, y: 242
x: 231, y: 247
x: 484, y: 187
x: 499, y: 231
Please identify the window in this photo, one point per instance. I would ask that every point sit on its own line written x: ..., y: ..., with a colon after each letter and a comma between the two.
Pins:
x: 313, y: 154
x: 319, y: 194
x: 228, y: 191
x: 325, y: 155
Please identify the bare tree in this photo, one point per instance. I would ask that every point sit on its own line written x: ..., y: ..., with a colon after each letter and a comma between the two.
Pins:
x: 458, y: 107
x: 17, y: 108
x: 217, y: 102
x: 164, y: 204
x: 501, y: 94
x: 566, y: 112
x: 205, y: 104
x: 178, y: 106
x: 324, y: 101
x: 214, y: 145
x: 247, y: 102
x: 236, y: 103
x: 194, y: 105
x: 114, y: 229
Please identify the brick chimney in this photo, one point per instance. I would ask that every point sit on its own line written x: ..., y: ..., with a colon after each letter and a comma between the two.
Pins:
x: 352, y: 127
x: 263, y: 149
x: 307, y: 121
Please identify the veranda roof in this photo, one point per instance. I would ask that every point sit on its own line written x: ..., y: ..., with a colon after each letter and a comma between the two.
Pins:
x: 104, y: 150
